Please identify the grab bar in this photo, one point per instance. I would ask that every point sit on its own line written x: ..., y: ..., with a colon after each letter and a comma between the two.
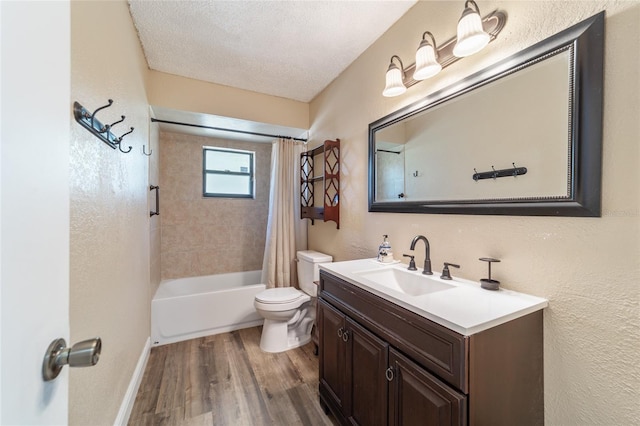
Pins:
x: 157, y: 212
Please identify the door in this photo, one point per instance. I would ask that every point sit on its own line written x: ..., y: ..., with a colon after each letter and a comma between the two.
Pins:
x: 419, y: 398
x: 34, y: 207
x: 332, y: 353
x: 367, y: 358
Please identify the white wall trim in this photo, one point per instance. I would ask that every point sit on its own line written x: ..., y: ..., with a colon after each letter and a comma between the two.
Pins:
x: 134, y: 385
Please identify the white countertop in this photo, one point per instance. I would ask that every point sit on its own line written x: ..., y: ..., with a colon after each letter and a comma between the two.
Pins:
x: 466, y: 308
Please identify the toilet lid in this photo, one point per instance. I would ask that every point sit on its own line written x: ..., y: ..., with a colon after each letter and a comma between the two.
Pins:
x: 279, y: 295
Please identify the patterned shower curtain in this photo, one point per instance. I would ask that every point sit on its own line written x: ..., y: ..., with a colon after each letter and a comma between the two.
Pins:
x: 286, y: 232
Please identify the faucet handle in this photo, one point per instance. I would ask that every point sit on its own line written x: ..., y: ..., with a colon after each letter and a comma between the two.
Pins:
x: 412, y: 263
x: 446, y: 275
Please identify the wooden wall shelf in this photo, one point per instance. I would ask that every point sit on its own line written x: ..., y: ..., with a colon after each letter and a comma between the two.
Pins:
x: 328, y: 181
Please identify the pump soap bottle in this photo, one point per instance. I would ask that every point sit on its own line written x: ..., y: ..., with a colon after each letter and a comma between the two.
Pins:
x: 385, y: 255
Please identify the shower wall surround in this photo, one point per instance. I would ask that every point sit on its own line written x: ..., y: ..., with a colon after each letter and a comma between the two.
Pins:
x: 206, y: 236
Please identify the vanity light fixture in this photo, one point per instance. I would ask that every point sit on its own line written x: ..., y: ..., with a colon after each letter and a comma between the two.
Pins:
x: 473, y: 34
x: 426, y: 58
x: 395, y: 79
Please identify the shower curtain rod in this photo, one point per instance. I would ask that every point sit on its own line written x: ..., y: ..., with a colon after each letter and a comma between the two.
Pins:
x: 245, y: 132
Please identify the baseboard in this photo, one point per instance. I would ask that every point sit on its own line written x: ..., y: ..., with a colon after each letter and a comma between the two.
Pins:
x: 130, y: 396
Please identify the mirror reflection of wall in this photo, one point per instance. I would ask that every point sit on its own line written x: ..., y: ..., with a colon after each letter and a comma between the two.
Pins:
x: 521, y: 118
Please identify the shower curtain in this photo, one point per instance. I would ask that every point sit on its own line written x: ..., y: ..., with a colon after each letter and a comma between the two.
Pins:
x: 286, y: 232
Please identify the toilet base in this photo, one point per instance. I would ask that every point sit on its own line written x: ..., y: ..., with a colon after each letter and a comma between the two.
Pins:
x: 278, y: 336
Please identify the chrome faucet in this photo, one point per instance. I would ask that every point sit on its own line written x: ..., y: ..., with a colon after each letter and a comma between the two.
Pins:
x: 427, y: 260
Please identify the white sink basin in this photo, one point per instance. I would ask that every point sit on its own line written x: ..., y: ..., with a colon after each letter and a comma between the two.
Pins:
x: 406, y: 282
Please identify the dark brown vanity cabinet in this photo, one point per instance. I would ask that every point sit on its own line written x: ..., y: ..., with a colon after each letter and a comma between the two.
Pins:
x: 352, y: 354
x: 381, y: 364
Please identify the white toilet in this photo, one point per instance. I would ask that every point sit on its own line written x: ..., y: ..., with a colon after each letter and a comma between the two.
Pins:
x: 289, y: 313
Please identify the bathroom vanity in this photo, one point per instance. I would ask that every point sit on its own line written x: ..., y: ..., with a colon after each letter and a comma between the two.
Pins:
x: 398, y: 347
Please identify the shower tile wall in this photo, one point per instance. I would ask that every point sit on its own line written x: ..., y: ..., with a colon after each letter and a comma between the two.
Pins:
x: 205, y: 236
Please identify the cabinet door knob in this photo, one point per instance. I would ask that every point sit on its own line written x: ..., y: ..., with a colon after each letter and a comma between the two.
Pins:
x: 389, y: 374
x: 345, y: 336
x: 340, y: 332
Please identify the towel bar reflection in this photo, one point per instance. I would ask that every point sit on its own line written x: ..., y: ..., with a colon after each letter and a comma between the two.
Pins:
x: 157, y: 212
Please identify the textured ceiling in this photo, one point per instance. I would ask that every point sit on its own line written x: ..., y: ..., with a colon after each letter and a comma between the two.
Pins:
x: 291, y: 49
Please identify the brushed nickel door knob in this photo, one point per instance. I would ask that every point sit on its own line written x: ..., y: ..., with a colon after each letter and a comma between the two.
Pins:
x: 82, y: 354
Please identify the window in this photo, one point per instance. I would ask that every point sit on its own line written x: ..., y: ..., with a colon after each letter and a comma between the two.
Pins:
x: 228, y: 173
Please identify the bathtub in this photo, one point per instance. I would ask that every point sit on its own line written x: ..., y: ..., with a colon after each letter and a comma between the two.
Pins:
x: 187, y: 308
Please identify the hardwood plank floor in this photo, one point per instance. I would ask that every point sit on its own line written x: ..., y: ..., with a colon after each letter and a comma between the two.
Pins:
x: 227, y: 380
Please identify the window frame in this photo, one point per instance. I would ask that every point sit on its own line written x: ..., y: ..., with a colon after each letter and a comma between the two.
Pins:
x: 250, y: 173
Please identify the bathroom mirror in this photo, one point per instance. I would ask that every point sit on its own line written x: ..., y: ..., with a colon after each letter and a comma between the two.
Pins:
x: 522, y: 137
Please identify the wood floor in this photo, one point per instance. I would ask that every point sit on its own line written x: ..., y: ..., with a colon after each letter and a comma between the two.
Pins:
x: 227, y: 380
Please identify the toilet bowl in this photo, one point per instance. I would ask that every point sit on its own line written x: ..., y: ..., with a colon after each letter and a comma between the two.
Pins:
x: 289, y: 313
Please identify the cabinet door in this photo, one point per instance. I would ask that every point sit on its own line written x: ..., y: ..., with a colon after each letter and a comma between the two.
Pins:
x: 332, y: 353
x: 419, y: 398
x: 367, y: 359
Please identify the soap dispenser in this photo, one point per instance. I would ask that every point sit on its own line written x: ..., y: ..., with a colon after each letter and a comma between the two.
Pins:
x: 385, y: 255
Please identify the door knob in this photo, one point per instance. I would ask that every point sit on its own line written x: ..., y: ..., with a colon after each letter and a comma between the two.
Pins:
x: 82, y: 354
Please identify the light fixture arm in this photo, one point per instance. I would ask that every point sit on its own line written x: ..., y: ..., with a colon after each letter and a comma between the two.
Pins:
x: 433, y: 41
x: 468, y: 2
x: 401, y: 65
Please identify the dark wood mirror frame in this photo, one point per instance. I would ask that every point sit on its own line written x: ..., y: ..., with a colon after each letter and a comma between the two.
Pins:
x: 585, y: 151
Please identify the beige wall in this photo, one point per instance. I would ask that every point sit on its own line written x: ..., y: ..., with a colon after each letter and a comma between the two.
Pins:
x: 109, y: 241
x: 185, y: 94
x: 588, y: 268
x: 205, y: 236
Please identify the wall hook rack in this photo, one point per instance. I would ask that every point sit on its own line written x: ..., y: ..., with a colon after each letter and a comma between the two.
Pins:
x: 145, y: 152
x: 103, y: 132
x: 493, y: 174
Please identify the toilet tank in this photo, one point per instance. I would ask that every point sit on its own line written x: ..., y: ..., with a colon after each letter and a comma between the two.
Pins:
x: 308, y: 261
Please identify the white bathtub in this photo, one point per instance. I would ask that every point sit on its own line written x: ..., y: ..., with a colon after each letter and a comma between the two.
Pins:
x: 187, y: 308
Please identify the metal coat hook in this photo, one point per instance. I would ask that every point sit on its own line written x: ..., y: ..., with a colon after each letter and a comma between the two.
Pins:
x: 495, y: 174
x: 145, y: 153
x: 125, y: 134
x: 93, y: 116
x: 109, y: 126
x: 120, y: 142
x: 103, y: 132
